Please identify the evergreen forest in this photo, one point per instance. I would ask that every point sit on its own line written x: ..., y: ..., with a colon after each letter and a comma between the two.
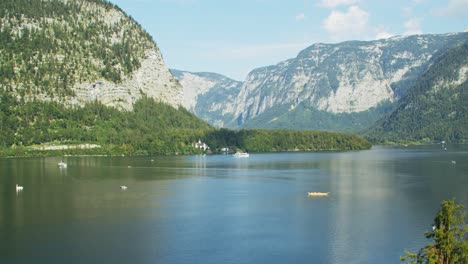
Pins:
x: 435, y: 109
x: 151, y: 128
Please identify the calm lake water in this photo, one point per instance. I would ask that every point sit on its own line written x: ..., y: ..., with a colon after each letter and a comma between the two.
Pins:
x: 219, y: 209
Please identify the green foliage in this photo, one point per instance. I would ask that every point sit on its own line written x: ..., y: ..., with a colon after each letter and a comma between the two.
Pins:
x: 434, y: 109
x: 48, y: 46
x: 152, y: 128
x: 285, y: 140
x: 305, y: 117
x: 450, y: 235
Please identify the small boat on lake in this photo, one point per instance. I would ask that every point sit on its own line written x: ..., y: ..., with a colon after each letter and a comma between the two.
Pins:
x: 19, y: 188
x: 318, y: 194
x: 241, y: 155
x: 62, y: 164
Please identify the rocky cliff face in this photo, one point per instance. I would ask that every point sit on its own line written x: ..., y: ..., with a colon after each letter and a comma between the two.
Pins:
x: 80, y: 51
x: 210, y: 96
x: 348, y: 77
x: 152, y: 79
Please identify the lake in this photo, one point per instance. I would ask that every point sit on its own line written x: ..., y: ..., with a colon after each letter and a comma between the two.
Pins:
x: 221, y: 209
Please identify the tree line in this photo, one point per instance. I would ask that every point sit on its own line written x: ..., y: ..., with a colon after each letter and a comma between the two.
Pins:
x: 151, y: 128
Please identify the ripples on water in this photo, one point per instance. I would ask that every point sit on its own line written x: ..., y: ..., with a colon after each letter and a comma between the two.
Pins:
x: 218, y: 209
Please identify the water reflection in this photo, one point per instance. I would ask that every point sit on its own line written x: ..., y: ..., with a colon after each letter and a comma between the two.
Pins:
x: 392, y: 190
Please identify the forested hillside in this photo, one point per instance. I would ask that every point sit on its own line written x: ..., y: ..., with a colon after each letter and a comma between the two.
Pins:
x: 306, y: 117
x: 151, y: 128
x: 50, y: 45
x: 436, y: 108
x: 79, y: 51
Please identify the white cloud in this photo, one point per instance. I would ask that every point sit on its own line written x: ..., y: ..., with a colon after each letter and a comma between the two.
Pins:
x: 335, y: 3
x: 352, y: 24
x: 300, y: 17
x: 413, y: 27
x: 453, y: 8
x: 383, y: 35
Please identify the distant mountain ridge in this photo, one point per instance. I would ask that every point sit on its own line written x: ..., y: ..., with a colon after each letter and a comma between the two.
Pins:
x: 345, y: 86
x: 210, y: 96
x: 348, y: 77
x: 80, y: 51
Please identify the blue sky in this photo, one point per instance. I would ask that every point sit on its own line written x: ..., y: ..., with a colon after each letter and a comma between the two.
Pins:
x: 234, y: 37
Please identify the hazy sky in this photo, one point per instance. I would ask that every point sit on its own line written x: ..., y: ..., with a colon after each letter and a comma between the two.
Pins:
x: 232, y: 37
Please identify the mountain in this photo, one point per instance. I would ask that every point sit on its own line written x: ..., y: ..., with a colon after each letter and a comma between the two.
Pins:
x: 74, y: 52
x: 345, y: 86
x: 436, y: 108
x: 83, y: 71
x: 210, y: 96
x: 82, y: 77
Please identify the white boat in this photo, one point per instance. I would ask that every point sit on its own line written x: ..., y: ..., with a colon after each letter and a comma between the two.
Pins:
x: 241, y: 155
x: 318, y: 194
x: 19, y: 188
x: 62, y: 164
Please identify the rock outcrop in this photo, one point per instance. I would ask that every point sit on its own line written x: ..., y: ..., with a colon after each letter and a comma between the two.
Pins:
x: 74, y: 52
x: 152, y: 79
x: 210, y: 96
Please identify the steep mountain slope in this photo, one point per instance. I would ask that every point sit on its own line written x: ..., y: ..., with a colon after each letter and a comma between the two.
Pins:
x: 344, y: 78
x: 80, y: 51
x: 69, y: 68
x: 436, y: 108
x: 305, y: 116
x: 210, y: 96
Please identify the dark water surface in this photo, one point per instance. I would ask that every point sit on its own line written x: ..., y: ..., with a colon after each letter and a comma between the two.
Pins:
x: 219, y: 209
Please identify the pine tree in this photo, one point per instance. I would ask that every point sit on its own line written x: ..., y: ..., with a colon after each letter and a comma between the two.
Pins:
x: 450, y: 235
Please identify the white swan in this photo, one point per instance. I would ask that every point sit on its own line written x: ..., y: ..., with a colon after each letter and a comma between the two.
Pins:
x: 62, y: 164
x: 123, y: 187
x: 19, y: 188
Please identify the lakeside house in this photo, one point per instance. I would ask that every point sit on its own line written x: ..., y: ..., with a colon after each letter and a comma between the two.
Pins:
x: 201, y: 145
x: 225, y: 149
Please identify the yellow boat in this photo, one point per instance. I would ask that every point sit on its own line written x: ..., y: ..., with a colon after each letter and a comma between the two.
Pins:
x: 318, y: 193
